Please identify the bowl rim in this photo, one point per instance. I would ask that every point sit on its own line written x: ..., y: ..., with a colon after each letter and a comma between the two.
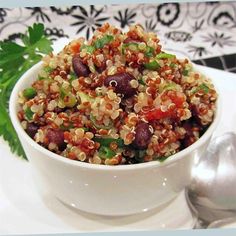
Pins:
x: 170, y: 160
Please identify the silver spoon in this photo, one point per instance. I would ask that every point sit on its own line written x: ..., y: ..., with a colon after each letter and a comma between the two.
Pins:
x: 213, y: 188
x: 224, y: 223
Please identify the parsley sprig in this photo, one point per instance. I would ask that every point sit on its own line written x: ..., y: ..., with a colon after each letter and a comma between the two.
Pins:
x: 15, y: 60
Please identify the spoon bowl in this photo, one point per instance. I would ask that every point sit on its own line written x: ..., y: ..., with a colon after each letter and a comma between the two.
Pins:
x: 212, y: 190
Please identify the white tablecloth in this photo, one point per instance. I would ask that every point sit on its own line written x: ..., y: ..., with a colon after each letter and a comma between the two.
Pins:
x: 199, y: 30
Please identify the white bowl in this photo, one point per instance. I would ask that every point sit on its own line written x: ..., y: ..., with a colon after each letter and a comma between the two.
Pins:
x: 107, y: 190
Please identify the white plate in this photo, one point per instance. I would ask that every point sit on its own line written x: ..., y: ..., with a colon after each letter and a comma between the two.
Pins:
x: 24, y: 211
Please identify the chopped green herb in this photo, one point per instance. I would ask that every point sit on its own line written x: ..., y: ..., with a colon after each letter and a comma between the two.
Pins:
x: 63, y: 93
x: 152, y: 65
x: 29, y: 93
x: 100, y: 43
x: 131, y: 46
x: 149, y: 51
x: 70, y: 100
x: 84, y: 97
x: 85, y: 129
x: 141, y: 81
x: 185, y: 72
x: 168, y: 86
x: 48, y: 69
x: 107, y: 141
x: 98, y: 126
x: 28, y: 114
x: 172, y: 65
x: 139, y: 155
x: 106, y: 152
x: 89, y: 49
x: 41, y: 78
x: 164, y: 55
x: 72, y: 76
x: 161, y: 159
x: 203, y: 87
x: 66, y: 128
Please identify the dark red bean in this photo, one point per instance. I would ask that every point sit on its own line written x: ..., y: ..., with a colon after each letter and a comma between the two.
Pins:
x: 121, y: 83
x: 56, y: 136
x: 31, y: 129
x: 142, y: 136
x: 79, y: 68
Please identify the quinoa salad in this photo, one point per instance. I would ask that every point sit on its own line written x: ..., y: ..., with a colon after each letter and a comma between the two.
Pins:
x: 117, y: 99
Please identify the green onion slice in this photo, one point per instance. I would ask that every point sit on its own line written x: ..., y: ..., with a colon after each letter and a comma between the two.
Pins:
x: 106, y: 152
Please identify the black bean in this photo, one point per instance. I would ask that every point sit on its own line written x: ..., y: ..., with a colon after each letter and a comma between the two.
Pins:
x: 31, y: 129
x: 142, y: 136
x: 79, y: 68
x: 121, y: 83
x: 56, y: 136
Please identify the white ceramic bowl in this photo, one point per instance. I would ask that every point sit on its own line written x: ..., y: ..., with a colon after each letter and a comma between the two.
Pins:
x: 107, y: 190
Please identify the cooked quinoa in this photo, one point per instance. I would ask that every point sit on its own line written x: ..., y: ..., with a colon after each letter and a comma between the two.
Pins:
x: 117, y: 99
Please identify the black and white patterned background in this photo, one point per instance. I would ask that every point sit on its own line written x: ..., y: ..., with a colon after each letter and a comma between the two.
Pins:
x: 203, y: 31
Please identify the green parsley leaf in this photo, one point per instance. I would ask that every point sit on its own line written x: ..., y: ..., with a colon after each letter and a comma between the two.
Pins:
x: 100, y: 43
x: 36, y: 33
x: 15, y: 60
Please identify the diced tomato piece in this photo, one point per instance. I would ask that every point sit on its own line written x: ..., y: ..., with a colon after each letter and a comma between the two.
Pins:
x: 75, y: 48
x: 72, y: 156
x: 157, y: 114
x: 177, y: 100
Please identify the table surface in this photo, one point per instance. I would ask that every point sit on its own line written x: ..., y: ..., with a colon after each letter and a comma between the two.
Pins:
x: 203, y: 31
x: 24, y: 209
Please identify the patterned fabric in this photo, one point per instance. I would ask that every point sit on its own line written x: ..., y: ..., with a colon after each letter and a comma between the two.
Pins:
x: 198, y: 30
x: 225, y: 62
